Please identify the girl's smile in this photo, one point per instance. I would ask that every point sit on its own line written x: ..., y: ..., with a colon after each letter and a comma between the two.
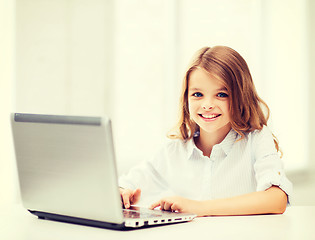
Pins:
x: 209, y: 117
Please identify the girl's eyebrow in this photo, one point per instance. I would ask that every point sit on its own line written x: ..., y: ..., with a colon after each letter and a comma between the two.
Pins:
x: 198, y: 89
x: 194, y: 89
x: 222, y: 89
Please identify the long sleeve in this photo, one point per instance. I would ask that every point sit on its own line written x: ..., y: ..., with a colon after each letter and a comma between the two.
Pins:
x: 268, y: 165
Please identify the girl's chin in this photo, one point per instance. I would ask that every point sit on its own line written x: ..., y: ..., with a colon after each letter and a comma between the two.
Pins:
x: 212, y: 129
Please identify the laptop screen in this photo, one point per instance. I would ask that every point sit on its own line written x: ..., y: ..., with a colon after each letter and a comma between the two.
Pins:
x: 66, y: 165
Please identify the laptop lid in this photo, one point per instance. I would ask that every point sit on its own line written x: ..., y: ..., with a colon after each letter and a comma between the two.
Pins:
x: 66, y: 166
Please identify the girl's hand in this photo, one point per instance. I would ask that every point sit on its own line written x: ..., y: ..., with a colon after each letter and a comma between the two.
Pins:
x: 179, y: 204
x: 129, y: 197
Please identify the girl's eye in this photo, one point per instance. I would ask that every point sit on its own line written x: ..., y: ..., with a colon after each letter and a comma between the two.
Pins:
x: 222, y: 95
x: 197, y: 94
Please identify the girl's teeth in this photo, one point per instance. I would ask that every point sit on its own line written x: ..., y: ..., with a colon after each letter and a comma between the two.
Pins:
x: 209, y: 116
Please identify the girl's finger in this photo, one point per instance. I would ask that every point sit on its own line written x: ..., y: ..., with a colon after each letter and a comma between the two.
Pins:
x: 154, y: 205
x: 167, y: 206
x: 136, y: 196
x: 126, y: 201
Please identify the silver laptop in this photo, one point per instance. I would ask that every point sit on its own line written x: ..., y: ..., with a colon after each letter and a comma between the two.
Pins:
x: 67, y: 172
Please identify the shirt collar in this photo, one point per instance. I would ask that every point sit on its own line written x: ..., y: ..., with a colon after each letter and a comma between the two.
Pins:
x: 228, y: 141
x: 191, y: 147
x: 225, y: 145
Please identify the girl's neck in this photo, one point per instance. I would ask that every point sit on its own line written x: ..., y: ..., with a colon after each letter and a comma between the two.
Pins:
x: 206, y: 140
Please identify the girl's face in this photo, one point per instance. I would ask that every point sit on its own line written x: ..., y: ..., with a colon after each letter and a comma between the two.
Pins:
x: 208, y: 102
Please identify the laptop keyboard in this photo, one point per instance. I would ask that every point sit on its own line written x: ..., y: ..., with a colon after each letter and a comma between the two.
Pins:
x: 128, y: 213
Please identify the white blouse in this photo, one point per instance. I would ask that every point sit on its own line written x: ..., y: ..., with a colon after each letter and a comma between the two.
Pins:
x: 234, y: 168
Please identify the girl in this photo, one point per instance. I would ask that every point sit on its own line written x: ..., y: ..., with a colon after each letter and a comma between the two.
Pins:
x: 223, y: 160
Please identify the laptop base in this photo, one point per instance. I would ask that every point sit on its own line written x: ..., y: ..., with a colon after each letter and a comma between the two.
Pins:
x: 91, y: 223
x: 79, y: 221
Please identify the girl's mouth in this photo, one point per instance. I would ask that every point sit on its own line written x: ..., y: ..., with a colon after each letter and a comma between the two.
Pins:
x: 209, y: 116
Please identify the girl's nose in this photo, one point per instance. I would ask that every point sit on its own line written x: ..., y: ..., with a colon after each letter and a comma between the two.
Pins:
x: 208, y: 104
x: 207, y: 107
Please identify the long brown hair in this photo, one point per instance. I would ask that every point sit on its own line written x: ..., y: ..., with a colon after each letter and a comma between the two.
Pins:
x: 248, y: 111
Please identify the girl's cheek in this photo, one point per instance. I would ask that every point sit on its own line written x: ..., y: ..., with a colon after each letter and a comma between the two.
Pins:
x: 192, y: 107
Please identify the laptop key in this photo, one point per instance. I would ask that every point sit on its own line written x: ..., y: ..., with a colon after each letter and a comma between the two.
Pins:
x: 139, y: 214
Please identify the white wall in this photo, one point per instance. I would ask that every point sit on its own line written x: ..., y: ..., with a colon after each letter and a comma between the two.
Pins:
x: 311, y: 63
x: 143, y: 97
x: 286, y: 77
x: 8, y: 181
x: 64, y: 56
x: 304, y: 182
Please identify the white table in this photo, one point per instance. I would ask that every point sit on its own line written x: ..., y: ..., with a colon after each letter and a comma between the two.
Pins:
x: 297, y: 222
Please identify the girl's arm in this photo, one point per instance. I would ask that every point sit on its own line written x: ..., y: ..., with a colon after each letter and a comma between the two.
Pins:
x: 272, y: 200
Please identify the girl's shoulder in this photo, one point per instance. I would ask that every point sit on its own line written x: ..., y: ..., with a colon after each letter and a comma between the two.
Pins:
x: 262, y: 140
x: 177, y: 146
x: 257, y: 134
